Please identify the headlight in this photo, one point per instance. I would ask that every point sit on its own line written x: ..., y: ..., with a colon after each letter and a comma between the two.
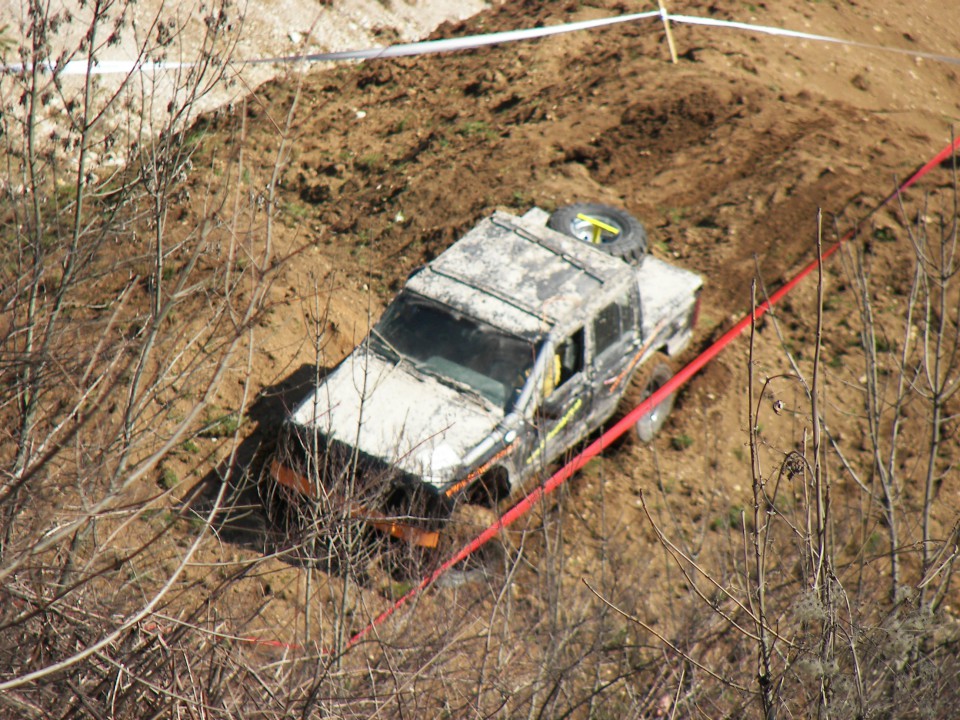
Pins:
x: 440, y: 464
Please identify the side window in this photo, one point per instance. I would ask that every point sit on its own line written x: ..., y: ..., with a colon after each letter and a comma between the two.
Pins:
x: 606, y: 328
x: 614, y: 320
x: 567, y: 362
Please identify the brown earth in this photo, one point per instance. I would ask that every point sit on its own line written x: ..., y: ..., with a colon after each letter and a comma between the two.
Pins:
x: 726, y: 157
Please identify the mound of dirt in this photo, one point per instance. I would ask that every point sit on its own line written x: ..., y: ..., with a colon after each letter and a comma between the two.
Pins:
x: 726, y: 157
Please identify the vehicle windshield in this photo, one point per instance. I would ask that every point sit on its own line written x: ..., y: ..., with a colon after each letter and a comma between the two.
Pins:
x: 442, y: 342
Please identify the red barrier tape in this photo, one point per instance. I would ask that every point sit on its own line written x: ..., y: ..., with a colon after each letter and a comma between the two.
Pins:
x: 677, y: 381
x: 271, y: 643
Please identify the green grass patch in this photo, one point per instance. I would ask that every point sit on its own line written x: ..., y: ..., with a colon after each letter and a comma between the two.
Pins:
x: 295, y: 210
x: 222, y: 426
x: 519, y: 200
x: 733, y: 519
x: 883, y: 345
x: 884, y: 234
x: 370, y: 161
x: 477, y: 128
x: 168, y: 478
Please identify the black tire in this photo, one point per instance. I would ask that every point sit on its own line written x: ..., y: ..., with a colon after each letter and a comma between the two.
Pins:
x: 490, y: 489
x: 288, y: 531
x: 629, y: 244
x: 273, y: 502
x: 645, y: 381
x: 297, y: 526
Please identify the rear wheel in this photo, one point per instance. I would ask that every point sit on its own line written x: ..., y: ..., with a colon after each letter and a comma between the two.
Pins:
x: 646, y: 381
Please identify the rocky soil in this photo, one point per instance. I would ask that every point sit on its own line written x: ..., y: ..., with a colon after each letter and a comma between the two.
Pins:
x: 726, y: 156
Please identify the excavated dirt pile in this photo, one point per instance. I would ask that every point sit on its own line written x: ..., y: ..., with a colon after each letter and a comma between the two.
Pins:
x: 727, y: 157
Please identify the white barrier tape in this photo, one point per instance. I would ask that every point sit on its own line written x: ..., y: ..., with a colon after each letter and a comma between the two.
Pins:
x: 113, y: 67
x: 462, y: 43
x: 428, y: 47
x: 99, y: 67
x: 783, y: 32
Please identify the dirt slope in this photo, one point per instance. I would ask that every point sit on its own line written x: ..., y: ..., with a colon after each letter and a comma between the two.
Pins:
x: 725, y: 156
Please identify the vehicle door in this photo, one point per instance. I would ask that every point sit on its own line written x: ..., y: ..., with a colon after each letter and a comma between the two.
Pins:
x: 564, y: 402
x: 614, y: 343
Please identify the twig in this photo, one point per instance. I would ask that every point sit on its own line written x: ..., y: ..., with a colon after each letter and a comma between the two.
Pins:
x: 665, y: 641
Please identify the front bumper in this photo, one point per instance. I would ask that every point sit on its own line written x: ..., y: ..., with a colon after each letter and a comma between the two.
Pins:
x: 398, y: 526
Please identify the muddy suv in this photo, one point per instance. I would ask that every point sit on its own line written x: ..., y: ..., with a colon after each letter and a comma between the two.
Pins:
x: 497, y: 357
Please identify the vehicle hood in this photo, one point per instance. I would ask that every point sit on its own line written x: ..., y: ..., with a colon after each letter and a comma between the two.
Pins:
x: 395, y: 413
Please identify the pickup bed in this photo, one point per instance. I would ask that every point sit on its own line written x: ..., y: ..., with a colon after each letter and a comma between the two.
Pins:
x: 498, y: 356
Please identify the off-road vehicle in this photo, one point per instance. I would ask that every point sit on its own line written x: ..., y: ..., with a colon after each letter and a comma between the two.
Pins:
x: 497, y: 357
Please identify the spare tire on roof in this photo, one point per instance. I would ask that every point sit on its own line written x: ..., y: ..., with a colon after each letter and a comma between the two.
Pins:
x: 629, y: 242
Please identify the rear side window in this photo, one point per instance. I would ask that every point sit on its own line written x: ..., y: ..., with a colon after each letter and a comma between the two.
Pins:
x: 606, y: 327
x: 612, y: 322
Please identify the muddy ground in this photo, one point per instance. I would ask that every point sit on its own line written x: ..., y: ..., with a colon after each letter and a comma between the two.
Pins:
x: 726, y: 156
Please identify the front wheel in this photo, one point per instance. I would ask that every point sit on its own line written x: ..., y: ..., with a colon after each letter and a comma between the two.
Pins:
x: 646, y: 381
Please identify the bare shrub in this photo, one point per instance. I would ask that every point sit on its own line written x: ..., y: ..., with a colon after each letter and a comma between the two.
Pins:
x: 113, y: 342
x: 832, y: 601
x: 122, y: 316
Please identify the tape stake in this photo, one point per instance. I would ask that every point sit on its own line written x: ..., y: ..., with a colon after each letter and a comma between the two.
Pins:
x: 665, y: 18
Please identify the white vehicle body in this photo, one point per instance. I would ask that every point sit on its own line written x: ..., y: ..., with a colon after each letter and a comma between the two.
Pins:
x: 495, y: 358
